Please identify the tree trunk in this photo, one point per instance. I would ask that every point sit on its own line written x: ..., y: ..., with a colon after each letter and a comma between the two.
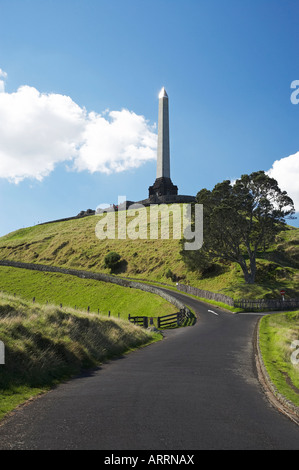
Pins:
x: 249, y: 276
x: 252, y: 268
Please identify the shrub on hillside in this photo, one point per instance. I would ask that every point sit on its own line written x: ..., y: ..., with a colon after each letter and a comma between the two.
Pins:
x: 170, y: 275
x: 112, y: 260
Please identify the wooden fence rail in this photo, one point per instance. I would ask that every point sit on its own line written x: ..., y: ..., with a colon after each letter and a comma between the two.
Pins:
x: 250, y: 305
x: 139, y: 320
x: 165, y: 321
x: 78, y: 308
x: 267, y: 304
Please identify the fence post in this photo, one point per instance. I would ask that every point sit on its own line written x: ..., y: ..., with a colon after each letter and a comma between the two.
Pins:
x: 88, y: 308
x: 158, y: 322
x: 109, y: 313
x: 145, y: 322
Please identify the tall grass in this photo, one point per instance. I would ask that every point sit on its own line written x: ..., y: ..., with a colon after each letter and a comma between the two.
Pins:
x: 46, y: 344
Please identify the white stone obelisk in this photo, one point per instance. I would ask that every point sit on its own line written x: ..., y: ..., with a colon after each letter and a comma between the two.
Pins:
x: 163, y: 157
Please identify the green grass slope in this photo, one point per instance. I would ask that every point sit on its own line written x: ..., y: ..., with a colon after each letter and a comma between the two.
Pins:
x: 277, y: 333
x: 72, y: 291
x: 74, y: 244
x: 47, y: 344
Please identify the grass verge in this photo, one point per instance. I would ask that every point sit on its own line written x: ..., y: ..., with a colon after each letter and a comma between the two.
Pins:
x: 47, y: 344
x: 276, y: 334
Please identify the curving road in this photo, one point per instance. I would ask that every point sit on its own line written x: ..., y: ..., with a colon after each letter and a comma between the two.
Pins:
x: 196, y: 389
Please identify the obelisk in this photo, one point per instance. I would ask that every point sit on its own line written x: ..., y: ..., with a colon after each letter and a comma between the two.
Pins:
x: 163, y: 158
x: 163, y: 185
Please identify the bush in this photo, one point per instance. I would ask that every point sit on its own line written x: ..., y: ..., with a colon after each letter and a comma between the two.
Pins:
x: 168, y: 273
x: 112, y: 260
x: 171, y: 275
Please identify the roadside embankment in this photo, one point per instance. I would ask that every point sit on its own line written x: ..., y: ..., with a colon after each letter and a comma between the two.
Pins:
x: 277, y: 354
x: 47, y: 344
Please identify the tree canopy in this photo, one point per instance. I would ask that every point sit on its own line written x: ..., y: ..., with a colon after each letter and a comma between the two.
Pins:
x: 239, y: 219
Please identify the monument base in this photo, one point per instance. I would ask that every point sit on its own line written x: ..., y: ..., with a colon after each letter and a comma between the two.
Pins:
x: 167, y: 199
x: 163, y: 187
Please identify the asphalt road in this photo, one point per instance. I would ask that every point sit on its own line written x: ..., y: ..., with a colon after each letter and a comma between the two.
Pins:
x: 196, y: 389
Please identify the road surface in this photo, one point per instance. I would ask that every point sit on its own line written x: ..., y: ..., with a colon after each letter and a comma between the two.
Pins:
x: 195, y: 389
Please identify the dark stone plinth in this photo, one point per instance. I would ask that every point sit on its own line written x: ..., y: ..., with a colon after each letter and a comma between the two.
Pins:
x: 169, y: 199
x: 163, y: 187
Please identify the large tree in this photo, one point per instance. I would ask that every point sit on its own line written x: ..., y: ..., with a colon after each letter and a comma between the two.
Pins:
x: 240, y: 219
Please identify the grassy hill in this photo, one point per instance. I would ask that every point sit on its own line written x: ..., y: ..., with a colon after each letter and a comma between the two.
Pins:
x: 73, y: 244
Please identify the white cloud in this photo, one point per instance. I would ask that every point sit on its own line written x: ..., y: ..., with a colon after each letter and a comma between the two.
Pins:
x: 2, y: 83
x: 286, y: 173
x: 3, y: 74
x: 38, y: 131
x: 122, y: 141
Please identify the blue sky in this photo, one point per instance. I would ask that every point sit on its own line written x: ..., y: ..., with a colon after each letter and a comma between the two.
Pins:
x: 79, y: 102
